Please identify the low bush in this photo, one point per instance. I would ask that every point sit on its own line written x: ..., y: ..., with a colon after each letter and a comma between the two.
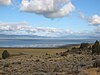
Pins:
x: 5, y: 54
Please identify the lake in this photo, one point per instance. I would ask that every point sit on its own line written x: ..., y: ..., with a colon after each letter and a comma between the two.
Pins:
x: 41, y: 42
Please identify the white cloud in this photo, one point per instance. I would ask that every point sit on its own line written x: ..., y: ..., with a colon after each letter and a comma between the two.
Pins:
x: 22, y: 28
x: 95, y: 20
x: 48, y: 8
x: 5, y: 2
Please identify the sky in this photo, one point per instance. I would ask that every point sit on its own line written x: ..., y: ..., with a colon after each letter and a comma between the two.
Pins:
x: 52, y: 18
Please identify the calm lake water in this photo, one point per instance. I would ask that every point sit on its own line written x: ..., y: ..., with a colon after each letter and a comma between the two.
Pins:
x: 41, y: 42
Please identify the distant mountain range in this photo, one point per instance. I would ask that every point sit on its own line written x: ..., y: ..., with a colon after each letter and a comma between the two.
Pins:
x: 4, y: 36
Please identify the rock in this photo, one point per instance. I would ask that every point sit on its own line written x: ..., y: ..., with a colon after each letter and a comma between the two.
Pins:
x: 96, y: 63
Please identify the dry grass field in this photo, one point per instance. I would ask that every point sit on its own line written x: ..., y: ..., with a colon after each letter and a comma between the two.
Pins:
x: 32, y: 51
x: 47, y: 61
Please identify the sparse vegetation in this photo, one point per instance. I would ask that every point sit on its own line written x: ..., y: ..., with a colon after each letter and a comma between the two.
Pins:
x: 73, y: 61
x: 84, y: 45
x: 6, y: 64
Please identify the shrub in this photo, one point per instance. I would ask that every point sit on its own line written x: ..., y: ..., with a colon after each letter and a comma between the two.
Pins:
x: 6, y: 65
x: 37, y: 60
x: 64, y: 53
x: 84, y: 45
x: 74, y: 48
x: 96, y: 48
x: 5, y: 54
x: 16, y: 62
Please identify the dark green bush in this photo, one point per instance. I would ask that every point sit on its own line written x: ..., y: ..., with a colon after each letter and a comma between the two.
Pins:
x: 5, y: 54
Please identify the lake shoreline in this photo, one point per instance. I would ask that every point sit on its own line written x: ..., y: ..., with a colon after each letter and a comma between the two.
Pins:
x: 63, y: 46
